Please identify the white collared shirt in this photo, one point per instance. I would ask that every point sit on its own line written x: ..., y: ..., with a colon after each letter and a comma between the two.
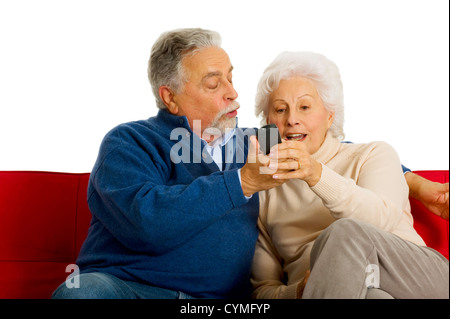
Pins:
x: 215, y: 147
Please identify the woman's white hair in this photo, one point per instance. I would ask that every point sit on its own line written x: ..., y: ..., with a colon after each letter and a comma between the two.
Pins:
x: 317, y: 68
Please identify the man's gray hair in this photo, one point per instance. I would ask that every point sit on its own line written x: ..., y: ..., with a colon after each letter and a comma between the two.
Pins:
x: 165, y: 63
x: 320, y: 70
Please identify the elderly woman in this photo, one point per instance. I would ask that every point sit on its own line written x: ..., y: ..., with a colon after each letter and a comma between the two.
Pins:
x: 341, y: 224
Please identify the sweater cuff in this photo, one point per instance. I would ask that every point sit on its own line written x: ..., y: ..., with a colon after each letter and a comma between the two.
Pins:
x: 290, y: 292
x: 240, y: 181
x: 330, y: 186
x: 234, y: 187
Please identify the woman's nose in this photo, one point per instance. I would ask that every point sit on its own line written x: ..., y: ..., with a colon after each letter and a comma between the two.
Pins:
x: 293, y: 119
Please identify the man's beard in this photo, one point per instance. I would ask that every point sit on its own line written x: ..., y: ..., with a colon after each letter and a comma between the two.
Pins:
x: 219, y: 125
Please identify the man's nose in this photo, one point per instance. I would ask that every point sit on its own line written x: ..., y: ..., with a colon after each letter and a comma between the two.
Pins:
x: 231, y: 93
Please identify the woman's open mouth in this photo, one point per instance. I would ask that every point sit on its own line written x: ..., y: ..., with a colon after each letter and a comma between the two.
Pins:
x: 296, y: 137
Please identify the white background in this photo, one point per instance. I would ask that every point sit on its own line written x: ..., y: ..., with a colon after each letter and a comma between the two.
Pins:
x: 72, y: 70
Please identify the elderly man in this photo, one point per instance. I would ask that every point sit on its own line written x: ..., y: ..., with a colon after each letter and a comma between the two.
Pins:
x: 171, y: 199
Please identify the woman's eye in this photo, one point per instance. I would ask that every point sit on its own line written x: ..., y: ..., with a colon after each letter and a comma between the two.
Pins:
x: 304, y: 107
x: 280, y: 110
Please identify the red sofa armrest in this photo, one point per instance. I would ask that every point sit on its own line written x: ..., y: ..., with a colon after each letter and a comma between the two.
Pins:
x: 44, y: 219
x: 433, y: 229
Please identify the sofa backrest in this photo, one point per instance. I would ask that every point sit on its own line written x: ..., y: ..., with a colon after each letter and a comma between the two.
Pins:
x: 44, y: 219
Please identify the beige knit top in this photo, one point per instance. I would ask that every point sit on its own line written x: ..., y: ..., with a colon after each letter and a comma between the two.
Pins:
x: 360, y: 181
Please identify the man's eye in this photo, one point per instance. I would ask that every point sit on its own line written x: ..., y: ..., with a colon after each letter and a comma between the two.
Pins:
x: 281, y: 110
x: 212, y: 85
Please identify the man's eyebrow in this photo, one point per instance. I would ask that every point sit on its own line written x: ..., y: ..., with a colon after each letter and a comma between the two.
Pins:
x: 216, y: 73
x: 212, y: 74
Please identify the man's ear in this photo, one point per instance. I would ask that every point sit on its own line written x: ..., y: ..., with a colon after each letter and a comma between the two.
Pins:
x: 167, y: 96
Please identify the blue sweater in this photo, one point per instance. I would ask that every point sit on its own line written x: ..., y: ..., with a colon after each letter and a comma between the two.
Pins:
x: 183, y: 226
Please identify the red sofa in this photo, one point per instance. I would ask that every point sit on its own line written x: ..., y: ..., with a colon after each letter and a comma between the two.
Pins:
x: 44, y: 220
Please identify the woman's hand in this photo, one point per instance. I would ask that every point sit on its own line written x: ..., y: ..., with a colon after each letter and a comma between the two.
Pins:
x: 293, y: 157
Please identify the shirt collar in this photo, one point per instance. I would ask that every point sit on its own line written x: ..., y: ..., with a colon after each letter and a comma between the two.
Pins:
x: 222, y: 140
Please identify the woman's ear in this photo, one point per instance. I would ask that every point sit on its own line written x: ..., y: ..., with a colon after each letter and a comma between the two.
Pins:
x: 167, y: 96
x: 330, y: 119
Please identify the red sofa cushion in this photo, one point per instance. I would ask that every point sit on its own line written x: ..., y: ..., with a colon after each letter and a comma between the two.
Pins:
x: 44, y: 219
x: 433, y: 229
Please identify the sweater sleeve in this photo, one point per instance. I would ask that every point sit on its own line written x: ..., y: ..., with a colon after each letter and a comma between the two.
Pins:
x: 378, y: 196
x: 131, y: 196
x: 267, y: 272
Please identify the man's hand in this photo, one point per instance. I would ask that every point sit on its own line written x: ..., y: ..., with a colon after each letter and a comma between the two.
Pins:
x: 255, y: 174
x: 434, y: 196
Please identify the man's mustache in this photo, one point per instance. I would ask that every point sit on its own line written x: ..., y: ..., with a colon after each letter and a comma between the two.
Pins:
x: 232, y: 107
